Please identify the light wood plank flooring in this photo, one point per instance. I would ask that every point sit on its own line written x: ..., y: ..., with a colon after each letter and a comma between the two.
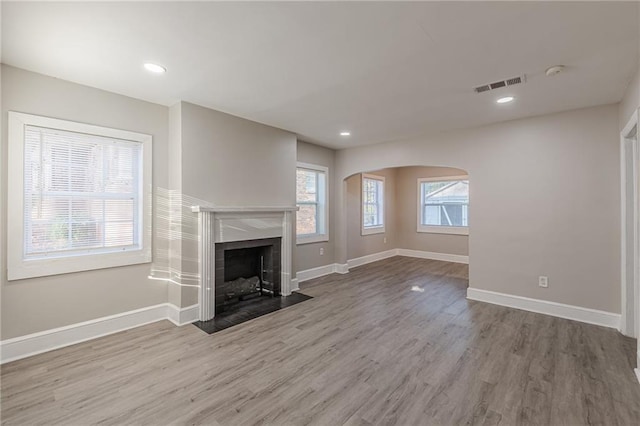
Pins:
x: 366, y: 350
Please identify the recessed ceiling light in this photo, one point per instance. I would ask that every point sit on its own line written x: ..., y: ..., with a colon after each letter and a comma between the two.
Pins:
x: 345, y: 133
x: 158, y: 69
x: 505, y: 100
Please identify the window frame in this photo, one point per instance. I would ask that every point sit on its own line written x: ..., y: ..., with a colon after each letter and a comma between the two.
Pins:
x: 434, y: 229
x: 322, y: 209
x: 20, y: 268
x: 375, y: 229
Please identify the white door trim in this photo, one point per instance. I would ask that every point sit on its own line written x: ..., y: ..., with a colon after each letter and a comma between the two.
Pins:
x: 629, y: 324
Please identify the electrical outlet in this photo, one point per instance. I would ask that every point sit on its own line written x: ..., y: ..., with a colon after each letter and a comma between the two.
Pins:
x: 385, y: 240
x: 321, y: 251
x: 543, y: 281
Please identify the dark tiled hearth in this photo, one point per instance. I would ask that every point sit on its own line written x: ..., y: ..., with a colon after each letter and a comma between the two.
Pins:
x: 248, y: 309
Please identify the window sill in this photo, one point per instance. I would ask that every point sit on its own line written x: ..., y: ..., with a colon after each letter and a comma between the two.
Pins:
x: 454, y: 230
x: 373, y: 230
x: 312, y: 239
x: 20, y: 269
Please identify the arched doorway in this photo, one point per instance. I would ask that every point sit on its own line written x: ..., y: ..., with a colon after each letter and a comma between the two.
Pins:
x: 417, y: 211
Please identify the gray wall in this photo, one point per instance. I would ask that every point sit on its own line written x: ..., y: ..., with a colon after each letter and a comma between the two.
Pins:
x: 545, y: 201
x: 631, y: 100
x: 172, y: 263
x: 38, y: 304
x: 359, y: 245
x: 307, y: 256
x: 226, y: 161
x: 231, y: 161
x: 407, y: 213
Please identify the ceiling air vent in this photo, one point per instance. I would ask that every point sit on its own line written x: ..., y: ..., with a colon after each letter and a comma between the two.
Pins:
x: 498, y: 84
x: 514, y: 80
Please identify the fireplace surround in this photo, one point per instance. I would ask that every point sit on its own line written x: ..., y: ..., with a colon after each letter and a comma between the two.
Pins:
x: 226, y: 225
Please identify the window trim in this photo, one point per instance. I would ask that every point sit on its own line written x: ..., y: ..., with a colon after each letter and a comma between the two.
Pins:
x: 318, y: 237
x: 431, y: 229
x: 17, y: 266
x: 378, y: 229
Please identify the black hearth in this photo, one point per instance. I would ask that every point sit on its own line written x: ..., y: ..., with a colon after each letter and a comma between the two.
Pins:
x: 246, y: 269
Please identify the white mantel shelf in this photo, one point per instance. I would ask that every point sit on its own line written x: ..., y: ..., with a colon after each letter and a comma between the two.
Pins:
x: 204, y: 209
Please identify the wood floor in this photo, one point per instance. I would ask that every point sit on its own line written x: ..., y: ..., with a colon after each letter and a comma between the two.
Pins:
x: 367, y: 349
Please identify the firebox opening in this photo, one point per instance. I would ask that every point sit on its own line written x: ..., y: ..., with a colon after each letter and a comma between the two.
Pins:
x: 246, y: 269
x: 242, y: 263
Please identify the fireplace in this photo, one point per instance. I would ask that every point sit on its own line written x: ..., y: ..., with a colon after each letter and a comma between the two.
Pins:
x: 249, y: 230
x: 246, y: 268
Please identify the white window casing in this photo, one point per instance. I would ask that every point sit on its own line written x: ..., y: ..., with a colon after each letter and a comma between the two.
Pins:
x: 79, y: 197
x: 320, y: 204
x: 373, y: 206
x: 437, y: 217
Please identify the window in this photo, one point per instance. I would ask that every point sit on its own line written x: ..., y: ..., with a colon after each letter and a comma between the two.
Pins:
x: 372, y: 204
x: 79, y: 197
x: 311, y: 199
x: 443, y: 205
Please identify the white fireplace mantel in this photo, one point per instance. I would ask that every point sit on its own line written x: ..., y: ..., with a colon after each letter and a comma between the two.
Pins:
x: 223, y: 224
x: 252, y: 209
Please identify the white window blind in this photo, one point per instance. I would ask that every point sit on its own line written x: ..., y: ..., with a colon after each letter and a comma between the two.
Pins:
x: 82, y: 193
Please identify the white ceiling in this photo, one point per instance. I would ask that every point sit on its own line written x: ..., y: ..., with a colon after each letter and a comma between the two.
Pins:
x: 384, y: 71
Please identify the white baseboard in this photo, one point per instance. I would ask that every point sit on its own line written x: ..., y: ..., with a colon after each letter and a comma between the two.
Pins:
x: 358, y: 261
x: 321, y: 271
x: 182, y: 316
x: 576, y: 313
x: 456, y: 258
x: 342, y: 268
x: 295, y: 284
x: 312, y: 273
x: 44, y: 341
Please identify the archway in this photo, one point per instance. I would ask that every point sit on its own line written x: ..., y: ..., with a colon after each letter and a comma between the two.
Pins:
x: 418, y: 211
